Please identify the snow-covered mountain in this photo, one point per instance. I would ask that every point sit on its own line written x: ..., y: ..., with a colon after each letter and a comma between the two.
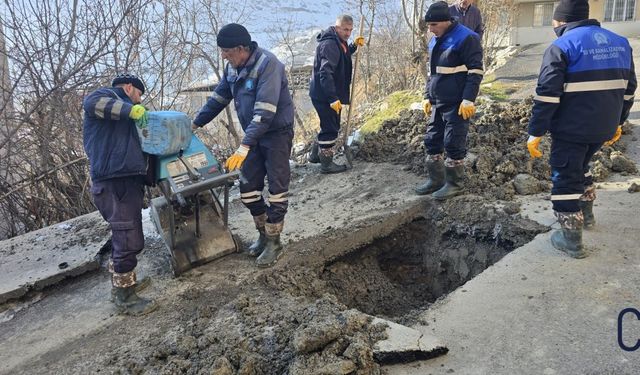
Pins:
x: 300, y: 50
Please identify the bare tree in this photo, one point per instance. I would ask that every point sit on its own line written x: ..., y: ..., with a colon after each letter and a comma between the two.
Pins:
x: 413, y: 12
x: 56, y: 49
x: 499, y: 17
x: 208, y: 16
x: 284, y: 34
x: 388, y: 61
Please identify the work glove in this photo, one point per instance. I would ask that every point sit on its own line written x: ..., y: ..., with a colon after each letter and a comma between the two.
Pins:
x: 532, y: 144
x: 426, y: 107
x: 235, y: 161
x: 140, y: 115
x: 359, y: 41
x: 467, y: 109
x: 336, y: 106
x: 137, y: 111
x: 615, y: 138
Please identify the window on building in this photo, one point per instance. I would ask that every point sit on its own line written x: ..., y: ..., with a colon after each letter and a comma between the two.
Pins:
x: 543, y: 13
x: 619, y: 10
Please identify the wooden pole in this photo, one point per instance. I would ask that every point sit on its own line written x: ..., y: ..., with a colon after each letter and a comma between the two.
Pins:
x: 347, y: 128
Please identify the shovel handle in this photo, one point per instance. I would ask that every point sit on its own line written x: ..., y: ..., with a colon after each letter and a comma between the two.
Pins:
x: 347, y: 128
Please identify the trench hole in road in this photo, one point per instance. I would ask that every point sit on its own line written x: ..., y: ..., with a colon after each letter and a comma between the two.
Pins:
x: 420, y: 262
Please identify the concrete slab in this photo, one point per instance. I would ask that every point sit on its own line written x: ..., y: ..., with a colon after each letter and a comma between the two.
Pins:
x: 46, y: 256
x: 404, y: 344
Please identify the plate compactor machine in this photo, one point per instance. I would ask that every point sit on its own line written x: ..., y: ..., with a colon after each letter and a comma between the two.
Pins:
x: 192, y: 213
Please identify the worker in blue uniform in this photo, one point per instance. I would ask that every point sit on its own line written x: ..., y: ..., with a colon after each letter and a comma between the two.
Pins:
x: 584, y: 94
x: 455, y: 73
x: 330, y: 88
x: 256, y: 82
x: 118, y: 168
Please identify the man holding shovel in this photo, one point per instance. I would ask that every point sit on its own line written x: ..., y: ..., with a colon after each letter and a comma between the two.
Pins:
x: 329, y: 89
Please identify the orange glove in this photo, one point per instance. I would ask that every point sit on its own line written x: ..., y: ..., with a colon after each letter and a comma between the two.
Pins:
x: 532, y: 144
x: 336, y: 106
x: 615, y: 138
x: 235, y: 161
x: 467, y: 109
x: 426, y: 107
x: 359, y: 41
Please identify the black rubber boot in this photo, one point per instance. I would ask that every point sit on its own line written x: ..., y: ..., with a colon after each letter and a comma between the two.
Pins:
x: 587, y: 213
x: 454, y: 177
x: 128, y: 302
x: 125, y: 297
x: 313, y: 156
x: 258, y: 246
x: 273, y: 248
x: 569, y: 237
x: 435, y: 168
x: 327, y: 164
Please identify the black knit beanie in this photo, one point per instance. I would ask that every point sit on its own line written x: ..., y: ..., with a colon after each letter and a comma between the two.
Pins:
x: 128, y: 78
x: 571, y: 11
x: 233, y: 35
x: 438, y: 12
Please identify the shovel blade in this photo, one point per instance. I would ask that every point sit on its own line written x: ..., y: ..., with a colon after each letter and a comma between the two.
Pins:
x: 348, y: 155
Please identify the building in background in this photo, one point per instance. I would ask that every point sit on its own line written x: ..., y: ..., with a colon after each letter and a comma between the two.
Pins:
x: 533, y: 23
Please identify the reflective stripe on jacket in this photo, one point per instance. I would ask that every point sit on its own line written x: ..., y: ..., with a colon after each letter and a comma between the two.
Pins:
x: 260, y: 92
x: 110, y: 137
x: 586, y: 84
x: 455, y: 66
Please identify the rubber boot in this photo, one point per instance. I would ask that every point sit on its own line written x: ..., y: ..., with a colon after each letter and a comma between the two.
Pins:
x: 258, y: 246
x: 313, y: 156
x: 435, y: 168
x: 586, y: 206
x: 587, y: 213
x: 273, y: 249
x: 141, y: 284
x: 569, y: 237
x: 454, y: 177
x: 327, y: 164
x: 125, y: 297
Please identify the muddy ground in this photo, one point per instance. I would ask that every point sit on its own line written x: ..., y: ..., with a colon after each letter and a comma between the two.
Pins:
x: 358, y: 244
x: 303, y: 316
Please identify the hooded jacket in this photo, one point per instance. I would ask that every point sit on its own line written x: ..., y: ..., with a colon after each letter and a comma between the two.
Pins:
x: 332, y: 68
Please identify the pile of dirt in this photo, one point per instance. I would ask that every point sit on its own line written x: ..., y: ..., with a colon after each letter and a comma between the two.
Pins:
x: 264, y: 333
x: 498, y: 163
